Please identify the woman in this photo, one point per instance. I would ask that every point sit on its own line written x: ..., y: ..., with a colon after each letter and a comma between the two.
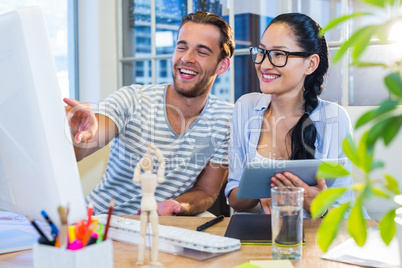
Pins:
x: 288, y: 120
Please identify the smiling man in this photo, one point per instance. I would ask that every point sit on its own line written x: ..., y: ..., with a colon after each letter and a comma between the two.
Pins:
x: 189, y: 126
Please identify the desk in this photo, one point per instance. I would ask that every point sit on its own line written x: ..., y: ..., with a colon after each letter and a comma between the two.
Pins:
x: 125, y: 255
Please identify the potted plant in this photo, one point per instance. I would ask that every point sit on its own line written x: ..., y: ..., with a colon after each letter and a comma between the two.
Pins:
x: 384, y: 123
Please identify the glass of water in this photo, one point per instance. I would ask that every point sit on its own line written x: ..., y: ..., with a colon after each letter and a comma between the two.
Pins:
x: 287, y: 222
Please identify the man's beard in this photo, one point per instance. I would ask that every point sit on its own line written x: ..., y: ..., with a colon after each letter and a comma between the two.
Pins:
x: 198, y: 89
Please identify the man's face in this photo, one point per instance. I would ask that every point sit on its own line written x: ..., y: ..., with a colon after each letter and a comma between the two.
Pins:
x: 195, y: 60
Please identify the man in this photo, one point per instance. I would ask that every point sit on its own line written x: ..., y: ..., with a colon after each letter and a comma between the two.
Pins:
x: 188, y: 125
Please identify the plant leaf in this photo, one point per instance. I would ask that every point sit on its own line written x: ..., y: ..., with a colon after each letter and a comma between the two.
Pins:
x: 391, y: 184
x: 363, y: 40
x: 377, y: 131
x: 331, y: 170
x: 380, y: 193
x: 324, y: 200
x: 333, y: 23
x: 329, y: 227
x: 376, y: 164
x: 391, y: 2
x: 363, y: 64
x: 368, y: 192
x: 386, y: 129
x: 394, y: 83
x: 392, y: 129
x: 349, y: 148
x: 378, y: 3
x: 357, y: 224
x: 359, y: 187
x: 386, y: 106
x: 388, y: 227
x: 366, y: 117
x: 364, y: 153
x: 349, y: 43
x: 383, y: 30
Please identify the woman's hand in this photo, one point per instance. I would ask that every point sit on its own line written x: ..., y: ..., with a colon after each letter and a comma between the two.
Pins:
x: 266, y: 205
x: 310, y: 192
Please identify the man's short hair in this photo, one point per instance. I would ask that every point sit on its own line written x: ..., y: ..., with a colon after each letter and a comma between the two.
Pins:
x: 226, y: 43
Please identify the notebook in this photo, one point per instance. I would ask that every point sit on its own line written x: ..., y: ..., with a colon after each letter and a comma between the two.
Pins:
x: 251, y: 228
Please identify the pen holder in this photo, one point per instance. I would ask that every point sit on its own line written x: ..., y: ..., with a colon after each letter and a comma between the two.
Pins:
x: 98, y: 255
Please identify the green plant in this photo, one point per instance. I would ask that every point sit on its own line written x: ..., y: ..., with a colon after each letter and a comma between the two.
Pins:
x: 384, y: 123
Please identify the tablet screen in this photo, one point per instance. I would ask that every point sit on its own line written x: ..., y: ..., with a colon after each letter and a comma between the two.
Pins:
x: 256, y: 179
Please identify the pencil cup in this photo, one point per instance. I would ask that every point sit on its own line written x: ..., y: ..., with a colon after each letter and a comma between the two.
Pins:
x: 99, y: 255
x: 287, y: 222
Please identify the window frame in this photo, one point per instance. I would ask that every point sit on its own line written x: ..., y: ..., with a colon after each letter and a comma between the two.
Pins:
x: 283, y: 7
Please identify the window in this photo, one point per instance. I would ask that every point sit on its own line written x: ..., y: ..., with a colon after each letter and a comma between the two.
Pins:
x: 61, y: 23
x: 349, y: 85
x: 154, y: 40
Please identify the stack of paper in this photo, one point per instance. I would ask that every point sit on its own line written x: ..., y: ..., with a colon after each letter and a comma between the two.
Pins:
x: 375, y: 253
x: 17, y: 233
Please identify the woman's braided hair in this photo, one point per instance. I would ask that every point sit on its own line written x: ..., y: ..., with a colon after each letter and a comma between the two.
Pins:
x: 307, y: 34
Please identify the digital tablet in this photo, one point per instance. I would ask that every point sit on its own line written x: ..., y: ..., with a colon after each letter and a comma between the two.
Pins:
x: 256, y: 179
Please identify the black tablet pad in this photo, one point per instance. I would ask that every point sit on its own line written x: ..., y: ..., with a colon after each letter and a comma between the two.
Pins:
x: 250, y: 228
x: 253, y: 228
x: 256, y: 179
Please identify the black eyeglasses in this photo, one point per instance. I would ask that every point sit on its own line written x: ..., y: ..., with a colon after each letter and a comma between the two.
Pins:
x: 277, y: 57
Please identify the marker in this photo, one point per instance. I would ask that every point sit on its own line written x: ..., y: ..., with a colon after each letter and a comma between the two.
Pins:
x: 95, y: 223
x: 210, y: 223
x: 88, y: 233
x: 55, y: 231
x: 75, y: 245
x: 43, y: 236
x: 80, y: 229
x: 93, y: 239
x: 90, y: 212
x: 100, y: 233
x: 71, y: 233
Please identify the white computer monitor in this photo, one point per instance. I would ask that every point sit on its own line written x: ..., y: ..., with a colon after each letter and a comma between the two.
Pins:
x: 38, y: 169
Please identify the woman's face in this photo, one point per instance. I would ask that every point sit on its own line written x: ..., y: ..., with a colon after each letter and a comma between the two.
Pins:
x: 284, y: 80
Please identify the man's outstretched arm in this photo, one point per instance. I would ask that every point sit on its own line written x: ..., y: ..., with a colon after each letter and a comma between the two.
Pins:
x: 90, y: 131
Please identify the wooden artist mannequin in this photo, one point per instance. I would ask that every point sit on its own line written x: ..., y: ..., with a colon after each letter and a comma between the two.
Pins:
x: 149, y: 206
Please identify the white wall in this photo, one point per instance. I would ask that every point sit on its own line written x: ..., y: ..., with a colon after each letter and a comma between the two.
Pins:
x: 97, y: 71
x: 391, y: 157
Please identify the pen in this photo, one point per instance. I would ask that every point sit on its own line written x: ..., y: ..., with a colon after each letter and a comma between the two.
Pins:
x: 43, y: 236
x: 210, y: 223
x: 55, y: 231
x: 109, y: 215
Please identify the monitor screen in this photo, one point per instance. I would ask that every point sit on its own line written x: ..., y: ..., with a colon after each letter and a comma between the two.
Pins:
x: 38, y: 169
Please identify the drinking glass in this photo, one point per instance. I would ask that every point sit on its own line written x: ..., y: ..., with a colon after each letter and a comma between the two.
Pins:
x: 287, y: 222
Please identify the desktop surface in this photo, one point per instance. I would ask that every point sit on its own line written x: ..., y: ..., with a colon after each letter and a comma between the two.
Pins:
x: 125, y: 255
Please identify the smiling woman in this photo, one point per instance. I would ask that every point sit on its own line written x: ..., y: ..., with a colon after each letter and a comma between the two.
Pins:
x: 288, y: 121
